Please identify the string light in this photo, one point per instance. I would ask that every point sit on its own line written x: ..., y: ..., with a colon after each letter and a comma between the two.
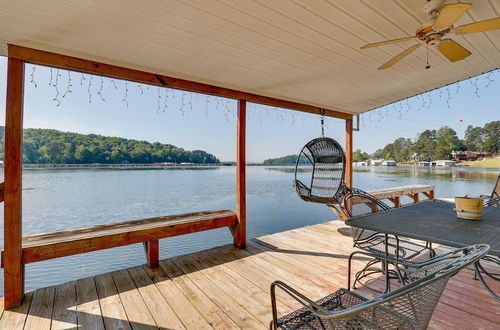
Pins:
x: 68, y: 88
x: 182, y: 103
x: 165, y: 102
x: 126, y: 94
x: 458, y: 87
x: 448, y: 99
x: 82, y: 79
x: 56, y: 98
x: 159, y: 100
x: 487, y: 77
x: 140, y: 88
x: 32, y: 75
x: 50, y: 82
x: 100, y: 90
x: 474, y: 84
x: 88, y: 88
x: 114, y: 84
x: 430, y: 101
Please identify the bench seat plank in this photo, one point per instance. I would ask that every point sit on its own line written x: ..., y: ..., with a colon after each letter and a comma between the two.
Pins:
x: 62, y: 243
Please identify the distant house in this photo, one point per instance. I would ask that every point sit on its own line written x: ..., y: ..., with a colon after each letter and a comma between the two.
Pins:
x: 470, y: 155
x: 360, y: 164
x: 389, y: 163
x: 415, y: 157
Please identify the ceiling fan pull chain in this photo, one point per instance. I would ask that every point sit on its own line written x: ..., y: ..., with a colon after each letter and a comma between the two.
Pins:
x: 427, y: 66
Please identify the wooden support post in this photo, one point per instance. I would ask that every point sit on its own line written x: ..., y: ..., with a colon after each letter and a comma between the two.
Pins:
x: 396, y: 200
x: 348, y: 156
x: 13, y: 267
x: 429, y: 194
x: 414, y: 196
x: 373, y: 207
x: 152, y: 250
x: 239, y: 231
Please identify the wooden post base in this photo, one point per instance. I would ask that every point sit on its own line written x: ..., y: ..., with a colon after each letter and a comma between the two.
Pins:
x: 239, y: 236
x: 151, y: 248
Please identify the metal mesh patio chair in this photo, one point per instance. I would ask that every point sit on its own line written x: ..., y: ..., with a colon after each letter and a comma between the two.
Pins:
x: 408, y: 307
x: 392, y: 247
x: 494, y: 198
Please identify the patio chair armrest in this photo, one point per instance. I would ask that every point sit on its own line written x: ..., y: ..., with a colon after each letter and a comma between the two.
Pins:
x: 311, y: 305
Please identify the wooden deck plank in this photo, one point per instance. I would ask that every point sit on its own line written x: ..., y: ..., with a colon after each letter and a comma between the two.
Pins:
x: 188, y: 314
x: 64, y: 314
x: 15, y: 318
x: 159, y: 308
x: 253, y: 275
x: 214, y: 314
x: 89, y: 314
x: 252, y: 298
x: 230, y: 306
x: 137, y: 312
x: 113, y: 313
x: 40, y: 312
x: 228, y: 288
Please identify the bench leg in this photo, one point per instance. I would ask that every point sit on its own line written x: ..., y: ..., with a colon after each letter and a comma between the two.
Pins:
x: 151, y: 248
x: 396, y: 201
x: 429, y: 194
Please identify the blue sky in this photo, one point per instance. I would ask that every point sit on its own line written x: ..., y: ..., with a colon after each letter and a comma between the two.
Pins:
x: 195, y: 121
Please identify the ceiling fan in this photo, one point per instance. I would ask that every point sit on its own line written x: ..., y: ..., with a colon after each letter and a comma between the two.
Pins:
x: 437, y: 30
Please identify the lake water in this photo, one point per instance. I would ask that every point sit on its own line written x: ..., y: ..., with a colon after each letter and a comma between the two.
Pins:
x: 61, y: 199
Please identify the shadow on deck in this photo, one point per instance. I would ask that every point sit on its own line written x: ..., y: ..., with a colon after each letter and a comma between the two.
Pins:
x: 228, y: 288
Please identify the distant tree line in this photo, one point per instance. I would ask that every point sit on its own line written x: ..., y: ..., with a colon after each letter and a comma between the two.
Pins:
x: 285, y: 160
x: 48, y: 146
x: 438, y: 144
x: 430, y: 144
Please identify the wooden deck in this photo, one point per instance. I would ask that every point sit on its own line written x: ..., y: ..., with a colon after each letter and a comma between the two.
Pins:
x: 228, y: 288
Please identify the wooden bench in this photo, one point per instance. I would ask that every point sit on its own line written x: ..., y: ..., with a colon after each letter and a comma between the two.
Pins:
x: 392, y: 194
x: 63, y: 243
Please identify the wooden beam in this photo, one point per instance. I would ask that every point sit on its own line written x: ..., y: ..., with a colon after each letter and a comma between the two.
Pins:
x: 13, y: 267
x: 239, y: 231
x: 348, y: 156
x: 77, y: 64
x: 152, y: 250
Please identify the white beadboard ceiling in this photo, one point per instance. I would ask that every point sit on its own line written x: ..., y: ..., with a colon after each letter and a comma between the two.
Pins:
x: 305, y: 51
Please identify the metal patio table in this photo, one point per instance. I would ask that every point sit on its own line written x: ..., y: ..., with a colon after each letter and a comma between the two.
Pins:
x: 437, y: 222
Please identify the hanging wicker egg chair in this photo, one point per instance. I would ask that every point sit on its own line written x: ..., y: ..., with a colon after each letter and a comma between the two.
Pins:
x: 325, y: 159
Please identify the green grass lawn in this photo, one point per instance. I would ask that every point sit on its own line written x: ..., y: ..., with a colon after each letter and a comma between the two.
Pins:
x: 488, y: 162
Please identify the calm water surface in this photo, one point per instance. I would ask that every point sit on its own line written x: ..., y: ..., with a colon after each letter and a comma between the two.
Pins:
x: 61, y: 199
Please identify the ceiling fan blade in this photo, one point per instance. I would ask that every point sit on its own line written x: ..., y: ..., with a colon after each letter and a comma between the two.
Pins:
x: 452, y: 50
x: 387, y: 42
x: 482, y: 26
x: 398, y: 57
x: 450, y: 13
